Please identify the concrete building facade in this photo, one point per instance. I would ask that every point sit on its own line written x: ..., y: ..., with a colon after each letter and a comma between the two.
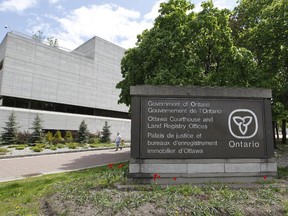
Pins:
x: 62, y: 87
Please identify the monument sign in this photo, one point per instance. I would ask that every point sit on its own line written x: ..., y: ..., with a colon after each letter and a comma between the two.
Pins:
x: 172, y: 124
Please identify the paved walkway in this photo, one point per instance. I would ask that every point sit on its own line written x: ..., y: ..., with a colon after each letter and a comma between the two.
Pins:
x: 23, y: 167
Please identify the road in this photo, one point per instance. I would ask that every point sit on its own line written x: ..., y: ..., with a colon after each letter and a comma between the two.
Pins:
x: 23, y: 167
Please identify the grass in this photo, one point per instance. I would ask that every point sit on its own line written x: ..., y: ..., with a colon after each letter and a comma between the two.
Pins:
x: 94, y: 190
x: 3, y: 151
x: 23, y: 197
x: 39, y: 147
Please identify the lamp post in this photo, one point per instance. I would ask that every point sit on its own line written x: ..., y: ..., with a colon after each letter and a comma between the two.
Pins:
x: 7, y: 27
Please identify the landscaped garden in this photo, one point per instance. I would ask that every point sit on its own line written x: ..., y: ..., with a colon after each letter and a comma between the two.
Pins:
x: 38, y: 140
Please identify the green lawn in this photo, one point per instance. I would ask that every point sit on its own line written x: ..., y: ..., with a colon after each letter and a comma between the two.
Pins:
x: 93, y: 191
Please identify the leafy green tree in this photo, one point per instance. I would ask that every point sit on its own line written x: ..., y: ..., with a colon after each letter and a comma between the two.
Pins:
x: 37, y: 127
x: 9, y: 136
x: 261, y: 27
x: 83, y: 133
x: 68, y: 136
x: 186, y: 48
x: 105, y: 134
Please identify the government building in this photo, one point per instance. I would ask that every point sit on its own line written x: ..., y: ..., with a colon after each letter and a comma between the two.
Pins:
x: 63, y: 87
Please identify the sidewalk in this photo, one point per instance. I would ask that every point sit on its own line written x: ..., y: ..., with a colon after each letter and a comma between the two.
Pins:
x: 23, y: 167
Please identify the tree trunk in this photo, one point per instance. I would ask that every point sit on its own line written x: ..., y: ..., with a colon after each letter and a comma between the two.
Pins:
x: 277, y: 130
x: 284, y: 121
x: 274, y: 137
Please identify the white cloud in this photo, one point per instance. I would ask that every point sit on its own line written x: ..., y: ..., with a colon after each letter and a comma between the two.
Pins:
x: 111, y: 22
x: 53, y: 1
x: 154, y: 12
x: 17, y: 5
x: 38, y: 25
x: 220, y: 4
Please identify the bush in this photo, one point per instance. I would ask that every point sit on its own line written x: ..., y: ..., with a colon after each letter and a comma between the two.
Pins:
x: 68, y: 136
x: 53, y: 147
x: 20, y: 147
x: 94, y: 145
x: 49, y: 137
x: 94, y: 141
x: 58, y: 137
x: 72, y: 145
x: 36, y: 149
x: 60, y: 145
x: 23, y: 137
x: 40, y: 145
x: 3, y: 151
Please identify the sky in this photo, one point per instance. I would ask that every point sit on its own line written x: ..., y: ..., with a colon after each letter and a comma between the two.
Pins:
x: 73, y: 22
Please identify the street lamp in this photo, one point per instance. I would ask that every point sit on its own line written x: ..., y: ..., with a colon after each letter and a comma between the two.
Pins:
x: 7, y: 27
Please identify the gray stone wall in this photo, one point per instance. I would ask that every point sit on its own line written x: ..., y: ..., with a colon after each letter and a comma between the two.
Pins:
x: 41, y: 72
x: 36, y: 71
x: 65, y: 121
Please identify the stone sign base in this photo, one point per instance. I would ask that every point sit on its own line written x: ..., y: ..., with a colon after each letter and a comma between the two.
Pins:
x: 181, y: 171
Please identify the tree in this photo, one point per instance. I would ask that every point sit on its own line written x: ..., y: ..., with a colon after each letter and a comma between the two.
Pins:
x: 57, y: 137
x: 52, y: 41
x: 186, y: 48
x: 37, y: 135
x: 68, y: 136
x: 83, y: 132
x: 105, y: 134
x: 49, y: 137
x: 262, y: 27
x: 39, y: 36
x: 9, y: 136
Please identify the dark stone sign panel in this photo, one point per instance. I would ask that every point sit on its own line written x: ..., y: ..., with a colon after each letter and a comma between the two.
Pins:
x: 188, y: 128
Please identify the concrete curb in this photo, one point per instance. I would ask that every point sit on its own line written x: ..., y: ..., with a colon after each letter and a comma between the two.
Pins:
x: 59, y: 152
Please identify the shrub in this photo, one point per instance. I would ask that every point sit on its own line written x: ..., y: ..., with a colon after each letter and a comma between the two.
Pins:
x: 36, y: 149
x: 72, y: 145
x: 40, y: 145
x: 94, y: 145
x: 68, y: 136
x: 95, y: 135
x: 23, y: 137
x: 3, y: 151
x: 58, y: 137
x: 49, y: 137
x: 60, y: 145
x: 20, y: 147
x: 53, y: 147
x: 94, y: 141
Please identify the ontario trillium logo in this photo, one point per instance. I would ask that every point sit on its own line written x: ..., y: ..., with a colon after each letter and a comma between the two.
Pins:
x: 243, y: 123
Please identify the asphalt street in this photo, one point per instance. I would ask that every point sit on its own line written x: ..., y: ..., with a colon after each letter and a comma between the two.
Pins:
x: 24, y: 167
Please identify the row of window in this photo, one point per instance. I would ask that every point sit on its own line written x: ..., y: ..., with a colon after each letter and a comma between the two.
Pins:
x: 57, y: 107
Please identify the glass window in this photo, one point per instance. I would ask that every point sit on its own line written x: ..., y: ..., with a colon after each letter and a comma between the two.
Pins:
x: 1, y: 65
x: 36, y: 105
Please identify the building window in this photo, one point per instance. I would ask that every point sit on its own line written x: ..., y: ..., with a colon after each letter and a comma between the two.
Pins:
x: 56, y: 107
x: 1, y: 65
